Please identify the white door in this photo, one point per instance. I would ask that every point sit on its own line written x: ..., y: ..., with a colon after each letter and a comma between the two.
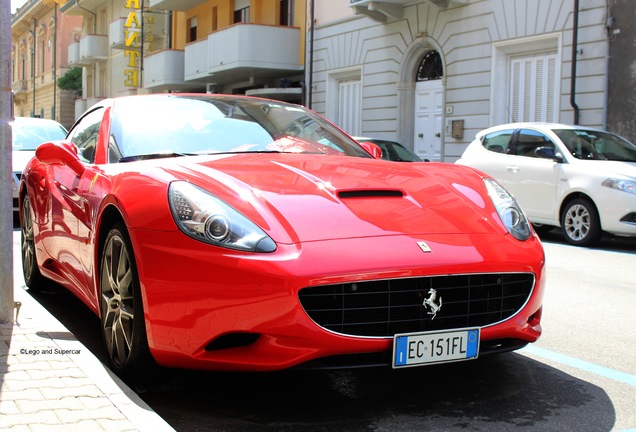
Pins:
x: 429, y: 106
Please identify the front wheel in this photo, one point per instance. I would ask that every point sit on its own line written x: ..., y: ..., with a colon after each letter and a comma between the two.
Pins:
x: 580, y: 223
x: 122, y: 314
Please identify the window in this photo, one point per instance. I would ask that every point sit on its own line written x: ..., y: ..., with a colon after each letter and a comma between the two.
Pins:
x: 431, y: 67
x: 286, y: 13
x: 525, y: 79
x: 84, y: 135
x: 215, y: 18
x: 532, y: 88
x: 528, y: 141
x: 192, y: 29
x: 344, y: 100
x: 349, y: 110
x: 498, y: 142
x: 241, y: 11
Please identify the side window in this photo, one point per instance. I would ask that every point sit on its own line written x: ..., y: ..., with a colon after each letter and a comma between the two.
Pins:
x: 84, y: 135
x: 529, y: 140
x: 498, y: 142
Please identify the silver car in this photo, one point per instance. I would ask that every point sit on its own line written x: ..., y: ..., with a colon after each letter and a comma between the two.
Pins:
x: 28, y: 133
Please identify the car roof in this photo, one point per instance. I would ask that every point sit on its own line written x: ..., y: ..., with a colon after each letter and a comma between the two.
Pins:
x: 532, y: 125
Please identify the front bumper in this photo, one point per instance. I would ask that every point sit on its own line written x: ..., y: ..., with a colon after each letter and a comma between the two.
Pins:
x: 211, y: 308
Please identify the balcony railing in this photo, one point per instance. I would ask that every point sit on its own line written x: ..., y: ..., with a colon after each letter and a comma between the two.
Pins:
x: 19, y: 86
x: 93, y: 48
x: 164, y: 70
x: 152, y: 32
x: 175, y: 5
x: 243, y: 51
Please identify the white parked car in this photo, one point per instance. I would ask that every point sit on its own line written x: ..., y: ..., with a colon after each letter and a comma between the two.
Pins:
x: 580, y: 179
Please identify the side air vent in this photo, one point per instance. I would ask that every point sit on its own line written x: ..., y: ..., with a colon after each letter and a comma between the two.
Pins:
x: 371, y: 193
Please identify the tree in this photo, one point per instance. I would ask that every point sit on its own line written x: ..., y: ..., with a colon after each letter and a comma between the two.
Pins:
x: 71, y: 80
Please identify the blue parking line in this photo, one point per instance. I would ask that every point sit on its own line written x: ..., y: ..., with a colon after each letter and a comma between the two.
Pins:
x: 622, y: 377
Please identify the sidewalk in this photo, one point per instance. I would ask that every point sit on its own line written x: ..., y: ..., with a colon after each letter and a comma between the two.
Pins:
x: 50, y: 382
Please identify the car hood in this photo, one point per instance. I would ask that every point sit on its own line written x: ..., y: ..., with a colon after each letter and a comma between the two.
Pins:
x: 309, y: 197
x: 20, y: 158
x: 609, y: 168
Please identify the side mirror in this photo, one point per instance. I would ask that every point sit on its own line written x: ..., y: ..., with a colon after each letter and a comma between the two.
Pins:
x: 60, y: 152
x: 373, y: 149
x: 548, y: 153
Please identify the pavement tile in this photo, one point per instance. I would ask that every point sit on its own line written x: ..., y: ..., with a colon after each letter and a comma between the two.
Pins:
x: 28, y: 394
x: 8, y: 407
x: 84, y: 426
x: 42, y: 417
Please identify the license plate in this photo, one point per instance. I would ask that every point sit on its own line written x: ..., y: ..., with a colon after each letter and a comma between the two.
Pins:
x: 415, y: 349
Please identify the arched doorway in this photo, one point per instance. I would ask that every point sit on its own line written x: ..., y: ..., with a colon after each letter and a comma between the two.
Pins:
x: 429, y: 107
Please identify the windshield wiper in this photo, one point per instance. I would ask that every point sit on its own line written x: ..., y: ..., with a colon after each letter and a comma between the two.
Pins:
x: 149, y: 156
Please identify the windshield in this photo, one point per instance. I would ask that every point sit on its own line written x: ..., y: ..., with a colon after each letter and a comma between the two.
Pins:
x: 597, y: 145
x: 28, y: 133
x: 192, y: 125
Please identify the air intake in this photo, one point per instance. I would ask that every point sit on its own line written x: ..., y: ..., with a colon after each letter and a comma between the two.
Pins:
x: 371, y: 193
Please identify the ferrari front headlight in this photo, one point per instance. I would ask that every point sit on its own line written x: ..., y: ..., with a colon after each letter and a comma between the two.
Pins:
x: 204, y: 217
x: 509, y: 210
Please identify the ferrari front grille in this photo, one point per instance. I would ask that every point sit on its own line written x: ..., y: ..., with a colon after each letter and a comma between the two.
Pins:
x: 382, y: 308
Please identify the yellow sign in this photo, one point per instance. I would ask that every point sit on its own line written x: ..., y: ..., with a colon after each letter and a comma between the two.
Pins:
x: 132, y: 36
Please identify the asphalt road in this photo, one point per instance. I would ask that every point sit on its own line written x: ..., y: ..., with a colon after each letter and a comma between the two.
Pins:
x: 581, y: 375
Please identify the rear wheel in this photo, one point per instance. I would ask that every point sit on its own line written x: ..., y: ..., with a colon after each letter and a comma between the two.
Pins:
x: 32, y: 276
x: 580, y: 223
x: 122, y: 314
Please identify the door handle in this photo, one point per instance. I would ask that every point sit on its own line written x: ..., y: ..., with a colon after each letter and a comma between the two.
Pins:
x: 420, y: 135
x: 512, y: 168
x: 437, y: 135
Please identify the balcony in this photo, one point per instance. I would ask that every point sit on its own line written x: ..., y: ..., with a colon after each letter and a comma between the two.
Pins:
x: 92, y: 48
x: 243, y: 52
x: 381, y: 10
x: 81, y: 7
x: 164, y: 70
x: 154, y: 31
x: 80, y: 107
x: 74, y: 55
x: 117, y: 34
x: 175, y: 5
x: 20, y: 86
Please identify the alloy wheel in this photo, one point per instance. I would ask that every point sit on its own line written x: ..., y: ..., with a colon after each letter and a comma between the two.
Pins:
x: 117, y: 281
x: 577, y: 222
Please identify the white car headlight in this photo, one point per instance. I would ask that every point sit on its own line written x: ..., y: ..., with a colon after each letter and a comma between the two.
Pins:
x: 621, y: 185
x: 509, y: 210
x: 204, y: 217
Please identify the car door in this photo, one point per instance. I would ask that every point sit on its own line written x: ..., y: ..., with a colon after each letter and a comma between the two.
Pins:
x: 533, y: 180
x: 70, y: 218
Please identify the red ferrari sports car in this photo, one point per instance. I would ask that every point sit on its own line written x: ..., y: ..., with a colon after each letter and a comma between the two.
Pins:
x: 235, y: 233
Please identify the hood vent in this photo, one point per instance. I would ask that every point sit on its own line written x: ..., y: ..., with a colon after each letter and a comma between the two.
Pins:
x: 371, y: 193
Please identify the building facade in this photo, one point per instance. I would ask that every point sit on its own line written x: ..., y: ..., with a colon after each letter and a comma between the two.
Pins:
x: 217, y: 46
x: 432, y: 73
x: 40, y: 36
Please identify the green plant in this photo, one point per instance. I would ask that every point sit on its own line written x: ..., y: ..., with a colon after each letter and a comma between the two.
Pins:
x: 71, y: 80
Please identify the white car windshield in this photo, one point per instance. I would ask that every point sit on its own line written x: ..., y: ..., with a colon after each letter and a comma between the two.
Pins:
x: 597, y: 145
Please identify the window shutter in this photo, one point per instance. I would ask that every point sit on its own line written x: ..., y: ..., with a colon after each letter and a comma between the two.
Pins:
x: 532, y: 88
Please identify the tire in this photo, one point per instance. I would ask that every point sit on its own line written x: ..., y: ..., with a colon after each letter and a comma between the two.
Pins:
x: 580, y: 223
x: 32, y: 276
x: 121, y: 307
